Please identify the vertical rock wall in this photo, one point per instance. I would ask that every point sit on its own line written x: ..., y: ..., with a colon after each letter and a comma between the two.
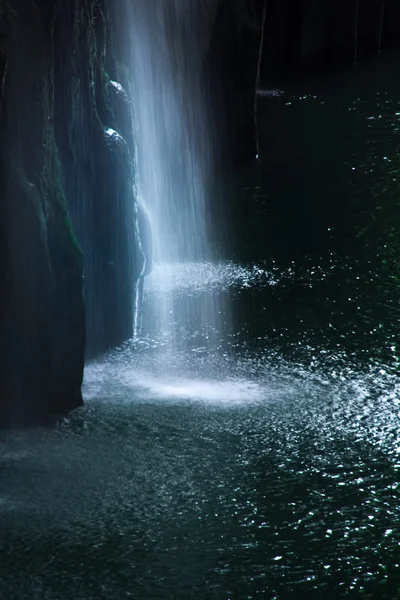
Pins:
x: 94, y: 134
x: 66, y: 181
x: 315, y: 34
x: 42, y: 319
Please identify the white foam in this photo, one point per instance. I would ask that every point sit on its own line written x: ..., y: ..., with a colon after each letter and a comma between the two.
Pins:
x: 210, y: 391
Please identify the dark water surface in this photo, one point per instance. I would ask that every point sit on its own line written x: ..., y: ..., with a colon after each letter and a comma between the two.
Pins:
x: 261, y: 460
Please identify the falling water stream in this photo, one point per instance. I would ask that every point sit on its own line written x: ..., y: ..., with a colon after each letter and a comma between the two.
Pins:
x: 174, y: 150
x: 255, y: 455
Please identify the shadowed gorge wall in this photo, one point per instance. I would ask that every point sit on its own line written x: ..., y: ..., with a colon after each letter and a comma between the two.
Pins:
x: 63, y: 156
x: 42, y: 327
x: 231, y: 73
x: 95, y: 137
x: 314, y: 34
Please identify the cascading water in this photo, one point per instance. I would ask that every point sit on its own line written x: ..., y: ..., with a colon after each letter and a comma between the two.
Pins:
x: 175, y: 158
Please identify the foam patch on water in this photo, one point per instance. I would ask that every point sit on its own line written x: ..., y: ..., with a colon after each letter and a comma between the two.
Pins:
x: 197, y: 276
x: 203, y: 390
x: 271, y: 93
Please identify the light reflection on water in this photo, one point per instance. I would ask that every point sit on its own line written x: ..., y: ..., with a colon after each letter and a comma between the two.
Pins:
x: 208, y: 475
x: 199, y: 277
x: 204, y: 475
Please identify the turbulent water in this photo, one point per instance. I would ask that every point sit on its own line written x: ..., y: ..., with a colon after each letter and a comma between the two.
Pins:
x: 260, y: 456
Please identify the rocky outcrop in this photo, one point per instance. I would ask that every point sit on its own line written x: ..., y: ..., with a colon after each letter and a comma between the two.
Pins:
x: 95, y: 136
x: 67, y: 183
x: 42, y: 317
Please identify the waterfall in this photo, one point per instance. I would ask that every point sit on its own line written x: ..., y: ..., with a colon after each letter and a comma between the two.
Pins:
x: 174, y: 158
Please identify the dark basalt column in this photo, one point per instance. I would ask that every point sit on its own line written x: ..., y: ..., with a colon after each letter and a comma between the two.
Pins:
x: 66, y: 170
x: 42, y: 317
x: 95, y: 135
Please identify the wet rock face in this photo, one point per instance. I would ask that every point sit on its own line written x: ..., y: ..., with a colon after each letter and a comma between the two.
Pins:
x: 42, y: 316
x: 231, y: 67
x: 315, y: 34
x: 66, y: 180
x: 95, y: 136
